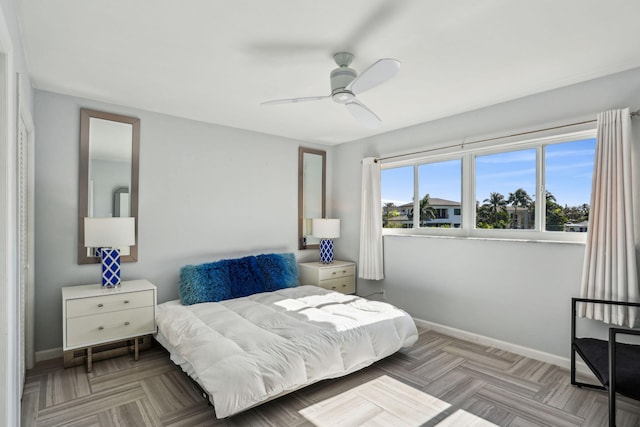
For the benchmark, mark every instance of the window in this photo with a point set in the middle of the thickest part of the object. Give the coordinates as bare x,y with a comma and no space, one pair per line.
439,189
535,189
396,188
505,187
568,174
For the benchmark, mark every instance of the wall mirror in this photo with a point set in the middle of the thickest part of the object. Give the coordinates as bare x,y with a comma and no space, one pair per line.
311,193
108,185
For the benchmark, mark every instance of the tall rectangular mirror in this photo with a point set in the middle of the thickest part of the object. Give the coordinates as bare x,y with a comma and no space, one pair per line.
311,194
108,183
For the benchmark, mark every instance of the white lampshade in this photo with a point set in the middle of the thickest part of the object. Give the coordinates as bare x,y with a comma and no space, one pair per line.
109,232
326,228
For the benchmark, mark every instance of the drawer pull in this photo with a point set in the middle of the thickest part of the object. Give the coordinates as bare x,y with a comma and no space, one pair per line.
102,328
333,287
100,305
126,301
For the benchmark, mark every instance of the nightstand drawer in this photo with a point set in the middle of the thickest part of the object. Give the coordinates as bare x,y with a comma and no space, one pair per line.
109,303
346,285
338,271
104,327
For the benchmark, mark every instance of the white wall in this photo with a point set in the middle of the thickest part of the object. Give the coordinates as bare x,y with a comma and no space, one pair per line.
206,192
509,291
515,291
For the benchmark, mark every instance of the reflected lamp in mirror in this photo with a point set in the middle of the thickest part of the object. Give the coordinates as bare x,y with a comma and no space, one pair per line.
326,229
109,235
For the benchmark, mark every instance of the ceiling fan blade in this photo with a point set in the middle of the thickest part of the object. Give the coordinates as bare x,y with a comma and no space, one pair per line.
378,73
295,100
363,115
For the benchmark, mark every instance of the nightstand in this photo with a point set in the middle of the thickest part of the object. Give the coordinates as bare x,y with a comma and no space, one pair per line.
338,276
93,316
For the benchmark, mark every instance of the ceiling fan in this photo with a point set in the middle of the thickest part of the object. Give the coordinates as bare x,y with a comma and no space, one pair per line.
346,84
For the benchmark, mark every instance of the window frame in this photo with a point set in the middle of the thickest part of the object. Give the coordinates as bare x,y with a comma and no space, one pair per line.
467,155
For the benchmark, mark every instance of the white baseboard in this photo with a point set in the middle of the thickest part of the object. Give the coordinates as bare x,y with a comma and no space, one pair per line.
52,353
542,356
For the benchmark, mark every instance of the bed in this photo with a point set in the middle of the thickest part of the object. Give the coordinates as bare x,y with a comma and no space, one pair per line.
246,350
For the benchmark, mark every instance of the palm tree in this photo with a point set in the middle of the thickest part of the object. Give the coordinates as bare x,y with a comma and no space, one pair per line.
519,198
495,202
427,212
483,216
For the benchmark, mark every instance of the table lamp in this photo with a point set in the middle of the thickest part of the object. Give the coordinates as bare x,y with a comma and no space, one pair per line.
326,229
109,235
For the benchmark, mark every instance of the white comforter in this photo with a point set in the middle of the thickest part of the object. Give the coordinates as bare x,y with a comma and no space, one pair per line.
248,350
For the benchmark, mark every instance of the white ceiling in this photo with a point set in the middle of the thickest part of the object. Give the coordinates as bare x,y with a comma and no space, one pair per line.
216,61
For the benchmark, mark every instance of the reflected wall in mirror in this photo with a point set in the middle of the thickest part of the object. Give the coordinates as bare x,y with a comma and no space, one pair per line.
311,193
108,186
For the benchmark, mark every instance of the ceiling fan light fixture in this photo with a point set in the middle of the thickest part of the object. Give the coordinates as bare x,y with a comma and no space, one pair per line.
343,96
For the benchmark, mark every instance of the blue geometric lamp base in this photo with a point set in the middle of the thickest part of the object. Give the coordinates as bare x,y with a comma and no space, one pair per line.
110,267
326,251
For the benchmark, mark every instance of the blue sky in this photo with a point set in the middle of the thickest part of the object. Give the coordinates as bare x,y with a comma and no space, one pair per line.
568,172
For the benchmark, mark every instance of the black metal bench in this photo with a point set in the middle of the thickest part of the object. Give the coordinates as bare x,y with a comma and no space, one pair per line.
616,365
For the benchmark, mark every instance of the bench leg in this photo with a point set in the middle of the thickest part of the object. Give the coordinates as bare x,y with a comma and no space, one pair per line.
89,360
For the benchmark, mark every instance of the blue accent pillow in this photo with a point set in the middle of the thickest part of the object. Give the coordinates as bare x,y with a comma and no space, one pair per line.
235,278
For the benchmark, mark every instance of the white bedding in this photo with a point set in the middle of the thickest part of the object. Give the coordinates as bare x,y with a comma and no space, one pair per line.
247,350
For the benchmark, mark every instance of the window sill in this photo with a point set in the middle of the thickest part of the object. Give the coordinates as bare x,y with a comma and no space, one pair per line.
512,236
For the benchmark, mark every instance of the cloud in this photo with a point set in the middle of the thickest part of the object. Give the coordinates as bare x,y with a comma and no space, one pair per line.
585,152
508,174
583,167
510,157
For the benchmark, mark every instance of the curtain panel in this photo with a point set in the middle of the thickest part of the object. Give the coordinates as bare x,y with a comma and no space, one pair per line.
610,270
371,253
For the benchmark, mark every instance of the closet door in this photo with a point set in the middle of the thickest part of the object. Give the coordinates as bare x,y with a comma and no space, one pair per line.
25,248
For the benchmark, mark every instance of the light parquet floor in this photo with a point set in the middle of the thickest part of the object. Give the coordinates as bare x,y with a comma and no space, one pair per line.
440,381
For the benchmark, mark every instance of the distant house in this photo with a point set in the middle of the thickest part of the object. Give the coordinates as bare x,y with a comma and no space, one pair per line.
580,227
521,217
448,213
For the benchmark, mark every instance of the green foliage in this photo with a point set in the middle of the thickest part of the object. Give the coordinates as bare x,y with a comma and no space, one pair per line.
493,213
495,205
389,211
577,213
393,224
555,216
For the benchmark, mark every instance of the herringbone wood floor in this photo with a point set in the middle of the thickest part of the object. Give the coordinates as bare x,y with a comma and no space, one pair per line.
439,381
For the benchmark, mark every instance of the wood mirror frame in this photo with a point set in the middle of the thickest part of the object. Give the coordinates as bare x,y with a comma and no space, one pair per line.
305,158
83,189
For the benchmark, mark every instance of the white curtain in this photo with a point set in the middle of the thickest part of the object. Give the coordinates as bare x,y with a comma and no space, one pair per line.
371,255
610,270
